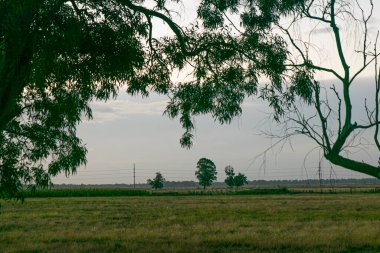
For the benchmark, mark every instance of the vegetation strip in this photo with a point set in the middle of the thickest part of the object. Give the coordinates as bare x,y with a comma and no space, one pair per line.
44,193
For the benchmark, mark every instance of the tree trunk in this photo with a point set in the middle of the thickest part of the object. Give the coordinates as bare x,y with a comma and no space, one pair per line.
14,76
16,58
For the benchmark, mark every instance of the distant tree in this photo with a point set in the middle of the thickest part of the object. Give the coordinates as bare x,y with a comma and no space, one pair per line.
240,180
206,172
157,182
232,180
230,176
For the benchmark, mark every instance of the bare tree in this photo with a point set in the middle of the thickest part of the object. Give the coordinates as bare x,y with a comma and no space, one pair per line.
270,45
332,125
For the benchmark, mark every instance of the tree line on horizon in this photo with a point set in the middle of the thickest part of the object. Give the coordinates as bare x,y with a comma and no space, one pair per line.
206,175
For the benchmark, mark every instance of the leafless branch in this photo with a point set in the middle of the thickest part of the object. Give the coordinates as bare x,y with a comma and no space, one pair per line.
339,108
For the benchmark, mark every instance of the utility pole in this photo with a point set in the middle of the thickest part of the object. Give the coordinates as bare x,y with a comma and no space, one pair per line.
134,176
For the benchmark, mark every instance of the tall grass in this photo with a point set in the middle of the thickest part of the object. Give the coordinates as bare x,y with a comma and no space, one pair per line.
312,223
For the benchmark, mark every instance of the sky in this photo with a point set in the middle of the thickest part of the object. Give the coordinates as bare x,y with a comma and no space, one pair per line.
132,131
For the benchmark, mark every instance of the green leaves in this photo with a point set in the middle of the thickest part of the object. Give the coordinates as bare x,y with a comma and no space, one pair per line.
225,72
234,180
157,182
302,86
240,180
87,49
41,143
82,50
206,172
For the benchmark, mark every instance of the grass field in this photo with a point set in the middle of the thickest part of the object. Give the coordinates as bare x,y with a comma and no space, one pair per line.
213,223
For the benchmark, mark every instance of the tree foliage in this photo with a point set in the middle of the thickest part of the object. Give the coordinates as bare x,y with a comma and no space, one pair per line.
157,182
206,172
234,180
240,180
56,57
229,170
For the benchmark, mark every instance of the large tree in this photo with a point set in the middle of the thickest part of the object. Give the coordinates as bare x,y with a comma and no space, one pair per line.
270,46
56,56
206,172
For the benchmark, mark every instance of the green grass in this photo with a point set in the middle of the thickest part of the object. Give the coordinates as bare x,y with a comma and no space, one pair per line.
208,223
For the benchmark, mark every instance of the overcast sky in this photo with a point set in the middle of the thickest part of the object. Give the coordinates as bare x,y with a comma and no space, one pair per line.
132,130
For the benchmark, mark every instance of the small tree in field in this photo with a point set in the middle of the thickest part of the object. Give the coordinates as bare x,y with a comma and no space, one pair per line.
240,180
157,182
230,176
206,172
232,180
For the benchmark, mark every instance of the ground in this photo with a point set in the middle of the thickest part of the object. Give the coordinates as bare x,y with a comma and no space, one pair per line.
220,223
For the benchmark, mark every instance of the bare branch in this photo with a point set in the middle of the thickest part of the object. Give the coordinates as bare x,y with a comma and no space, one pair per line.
365,22
307,62
321,117
339,109
376,55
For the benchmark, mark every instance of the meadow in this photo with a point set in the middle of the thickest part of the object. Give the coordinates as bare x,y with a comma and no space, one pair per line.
193,223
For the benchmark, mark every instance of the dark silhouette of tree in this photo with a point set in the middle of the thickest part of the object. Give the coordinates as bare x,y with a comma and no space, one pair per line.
230,176
206,172
157,182
266,46
58,55
232,180
240,180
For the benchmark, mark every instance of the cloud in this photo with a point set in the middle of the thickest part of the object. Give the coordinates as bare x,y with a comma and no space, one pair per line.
319,31
122,108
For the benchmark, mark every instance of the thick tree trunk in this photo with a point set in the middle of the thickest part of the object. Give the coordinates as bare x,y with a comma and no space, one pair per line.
16,57
14,76
361,167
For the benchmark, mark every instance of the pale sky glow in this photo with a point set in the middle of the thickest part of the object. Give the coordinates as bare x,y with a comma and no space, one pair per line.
139,134
124,107
132,130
